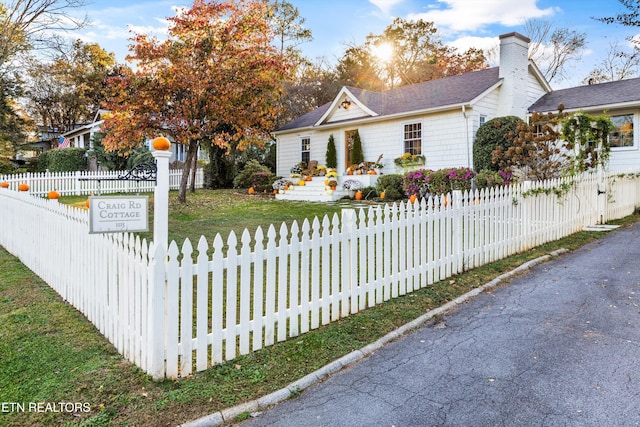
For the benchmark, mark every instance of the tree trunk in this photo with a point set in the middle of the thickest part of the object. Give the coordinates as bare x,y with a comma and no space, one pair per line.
194,169
191,152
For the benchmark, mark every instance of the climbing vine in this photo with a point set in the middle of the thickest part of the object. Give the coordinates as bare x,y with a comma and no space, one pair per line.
588,137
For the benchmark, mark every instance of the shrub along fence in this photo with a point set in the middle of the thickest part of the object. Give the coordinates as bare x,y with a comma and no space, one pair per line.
85,182
173,312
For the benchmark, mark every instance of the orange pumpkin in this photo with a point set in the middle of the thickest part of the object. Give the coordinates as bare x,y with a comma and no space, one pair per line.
251,190
23,187
275,191
349,172
358,195
308,178
4,184
286,187
413,198
161,143
372,172
53,195
382,195
87,203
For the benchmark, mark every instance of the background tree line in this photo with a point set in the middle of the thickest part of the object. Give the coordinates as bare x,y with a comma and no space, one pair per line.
192,86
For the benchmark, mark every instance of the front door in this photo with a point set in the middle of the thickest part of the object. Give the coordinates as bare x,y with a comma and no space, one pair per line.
348,146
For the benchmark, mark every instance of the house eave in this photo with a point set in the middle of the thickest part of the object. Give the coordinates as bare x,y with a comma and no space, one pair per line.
604,107
365,120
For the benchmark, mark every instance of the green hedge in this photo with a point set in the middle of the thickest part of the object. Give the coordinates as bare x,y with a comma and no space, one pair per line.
63,160
489,136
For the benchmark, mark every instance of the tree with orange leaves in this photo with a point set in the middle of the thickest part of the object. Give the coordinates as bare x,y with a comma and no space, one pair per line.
215,80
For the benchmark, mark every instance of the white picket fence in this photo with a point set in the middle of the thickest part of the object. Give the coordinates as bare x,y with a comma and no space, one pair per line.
85,182
176,313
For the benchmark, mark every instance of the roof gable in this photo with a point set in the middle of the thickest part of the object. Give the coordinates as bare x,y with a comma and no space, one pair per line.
429,95
602,95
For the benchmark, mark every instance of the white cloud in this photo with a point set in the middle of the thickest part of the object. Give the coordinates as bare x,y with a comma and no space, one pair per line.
385,5
473,15
488,44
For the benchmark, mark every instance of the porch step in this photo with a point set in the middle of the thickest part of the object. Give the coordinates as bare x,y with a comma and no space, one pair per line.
312,191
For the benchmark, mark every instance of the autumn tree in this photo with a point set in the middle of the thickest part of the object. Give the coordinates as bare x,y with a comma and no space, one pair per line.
618,64
215,81
406,52
536,151
631,18
71,89
553,48
12,124
29,25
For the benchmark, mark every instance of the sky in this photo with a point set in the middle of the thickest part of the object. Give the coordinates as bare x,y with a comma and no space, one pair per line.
338,23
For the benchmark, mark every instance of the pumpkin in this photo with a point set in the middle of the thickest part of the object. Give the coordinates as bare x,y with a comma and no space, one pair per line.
301,182
382,195
161,144
349,172
372,172
286,187
413,198
251,190
23,187
358,172
53,195
358,195
87,203
333,187
275,191
4,184
308,178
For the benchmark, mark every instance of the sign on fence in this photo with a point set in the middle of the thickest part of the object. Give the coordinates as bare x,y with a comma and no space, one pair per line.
117,214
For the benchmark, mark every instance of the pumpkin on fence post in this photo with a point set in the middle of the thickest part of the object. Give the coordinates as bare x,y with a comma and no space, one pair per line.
4,184
23,187
53,195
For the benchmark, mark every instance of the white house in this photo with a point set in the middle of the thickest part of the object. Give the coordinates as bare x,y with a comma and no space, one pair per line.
620,100
439,118
82,137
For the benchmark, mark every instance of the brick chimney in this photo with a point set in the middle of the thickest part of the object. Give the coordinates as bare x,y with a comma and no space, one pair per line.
514,70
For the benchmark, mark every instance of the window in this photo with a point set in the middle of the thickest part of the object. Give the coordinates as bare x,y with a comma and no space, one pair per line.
622,134
413,138
305,150
483,119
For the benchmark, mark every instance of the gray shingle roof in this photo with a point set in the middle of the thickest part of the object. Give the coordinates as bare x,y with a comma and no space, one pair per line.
432,94
603,94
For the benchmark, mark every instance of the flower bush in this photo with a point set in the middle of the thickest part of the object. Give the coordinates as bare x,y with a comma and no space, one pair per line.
262,181
331,173
487,179
279,184
296,169
352,184
254,175
424,182
391,185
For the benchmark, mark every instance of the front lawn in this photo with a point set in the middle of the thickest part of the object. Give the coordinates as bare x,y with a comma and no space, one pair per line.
50,354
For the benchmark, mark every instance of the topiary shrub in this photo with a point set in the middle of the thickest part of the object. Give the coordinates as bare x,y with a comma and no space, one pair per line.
391,184
357,155
254,175
489,136
331,158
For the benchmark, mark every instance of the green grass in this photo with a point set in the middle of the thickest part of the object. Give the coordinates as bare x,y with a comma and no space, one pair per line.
50,353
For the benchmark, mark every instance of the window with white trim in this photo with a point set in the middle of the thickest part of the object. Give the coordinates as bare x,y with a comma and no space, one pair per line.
305,149
413,138
622,134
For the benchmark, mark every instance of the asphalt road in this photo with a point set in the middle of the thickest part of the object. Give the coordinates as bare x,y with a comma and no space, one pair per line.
559,346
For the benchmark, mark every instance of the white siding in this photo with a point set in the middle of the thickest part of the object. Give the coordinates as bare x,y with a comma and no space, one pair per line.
627,159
